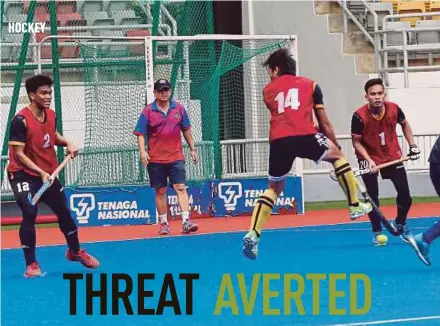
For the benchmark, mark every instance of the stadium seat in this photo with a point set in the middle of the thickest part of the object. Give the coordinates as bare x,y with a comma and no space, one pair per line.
395,38
46,48
14,8
66,7
42,7
137,49
426,37
71,19
381,9
96,18
16,18
89,6
411,7
67,51
44,18
115,5
395,4
435,6
113,33
125,17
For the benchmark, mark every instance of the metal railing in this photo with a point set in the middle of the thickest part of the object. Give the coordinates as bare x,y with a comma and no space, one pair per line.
378,39
375,39
405,48
244,158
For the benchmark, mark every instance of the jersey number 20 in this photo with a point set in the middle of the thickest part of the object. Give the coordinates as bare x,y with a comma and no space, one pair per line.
290,101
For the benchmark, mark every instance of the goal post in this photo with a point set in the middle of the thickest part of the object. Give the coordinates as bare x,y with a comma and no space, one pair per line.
218,78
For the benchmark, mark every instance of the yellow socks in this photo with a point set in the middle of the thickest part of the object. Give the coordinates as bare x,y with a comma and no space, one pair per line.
262,210
347,180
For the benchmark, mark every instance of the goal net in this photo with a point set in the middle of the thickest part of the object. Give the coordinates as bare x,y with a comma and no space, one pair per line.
218,78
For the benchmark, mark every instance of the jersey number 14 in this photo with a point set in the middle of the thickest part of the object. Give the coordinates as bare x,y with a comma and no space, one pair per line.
290,101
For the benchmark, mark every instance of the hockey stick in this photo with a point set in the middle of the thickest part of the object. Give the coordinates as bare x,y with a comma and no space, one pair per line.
48,183
360,172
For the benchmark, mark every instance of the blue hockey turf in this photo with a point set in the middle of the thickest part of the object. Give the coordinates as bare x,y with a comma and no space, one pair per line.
403,290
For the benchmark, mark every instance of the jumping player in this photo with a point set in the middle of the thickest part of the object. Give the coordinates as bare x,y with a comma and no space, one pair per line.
32,159
374,137
291,101
161,123
424,239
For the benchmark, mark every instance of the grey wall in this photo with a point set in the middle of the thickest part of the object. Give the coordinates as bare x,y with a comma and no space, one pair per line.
320,54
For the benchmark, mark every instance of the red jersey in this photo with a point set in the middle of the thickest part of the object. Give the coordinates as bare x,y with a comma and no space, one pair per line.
290,100
379,136
38,139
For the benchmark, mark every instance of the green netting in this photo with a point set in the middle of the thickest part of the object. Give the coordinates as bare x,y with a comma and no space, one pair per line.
99,95
219,82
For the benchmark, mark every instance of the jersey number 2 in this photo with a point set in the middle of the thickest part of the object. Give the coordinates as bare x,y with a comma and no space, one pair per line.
46,141
291,100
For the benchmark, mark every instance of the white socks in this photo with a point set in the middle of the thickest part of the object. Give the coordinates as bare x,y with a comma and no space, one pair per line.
163,218
185,216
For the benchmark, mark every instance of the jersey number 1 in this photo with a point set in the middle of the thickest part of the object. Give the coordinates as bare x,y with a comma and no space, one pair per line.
291,100
382,138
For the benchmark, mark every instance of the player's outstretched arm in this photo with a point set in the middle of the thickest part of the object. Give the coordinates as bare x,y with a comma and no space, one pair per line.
70,146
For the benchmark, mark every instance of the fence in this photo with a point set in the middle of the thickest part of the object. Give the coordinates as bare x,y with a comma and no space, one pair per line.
237,163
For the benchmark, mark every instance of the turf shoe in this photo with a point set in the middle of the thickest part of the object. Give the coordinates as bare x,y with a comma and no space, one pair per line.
360,210
250,245
403,231
422,249
33,270
83,257
164,229
188,227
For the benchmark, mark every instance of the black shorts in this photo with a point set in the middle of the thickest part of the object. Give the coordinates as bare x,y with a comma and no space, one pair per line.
284,151
23,183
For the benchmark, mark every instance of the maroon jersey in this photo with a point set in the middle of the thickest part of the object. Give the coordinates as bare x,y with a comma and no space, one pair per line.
379,136
38,139
291,100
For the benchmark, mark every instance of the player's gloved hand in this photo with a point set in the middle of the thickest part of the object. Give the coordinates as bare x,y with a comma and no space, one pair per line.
414,152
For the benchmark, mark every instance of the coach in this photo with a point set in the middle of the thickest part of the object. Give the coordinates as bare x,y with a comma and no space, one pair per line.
161,123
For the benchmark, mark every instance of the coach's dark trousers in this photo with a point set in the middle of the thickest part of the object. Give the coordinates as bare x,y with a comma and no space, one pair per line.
397,175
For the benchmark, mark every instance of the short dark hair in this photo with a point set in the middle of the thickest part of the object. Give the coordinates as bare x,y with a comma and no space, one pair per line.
36,81
283,60
373,82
